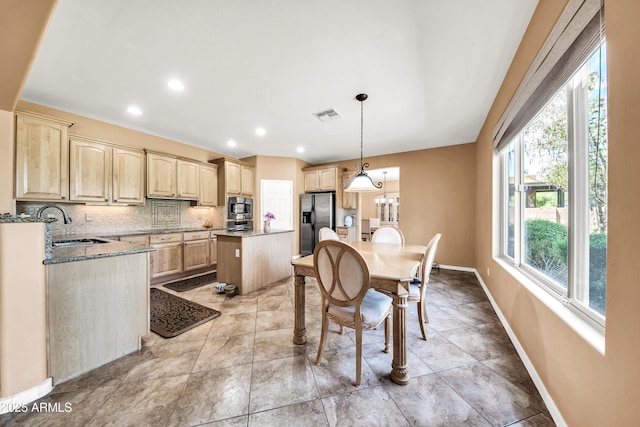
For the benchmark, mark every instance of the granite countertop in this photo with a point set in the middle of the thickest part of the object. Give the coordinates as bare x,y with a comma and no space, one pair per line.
17,219
158,231
93,251
252,233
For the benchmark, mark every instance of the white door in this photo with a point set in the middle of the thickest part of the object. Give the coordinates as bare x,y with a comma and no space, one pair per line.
277,197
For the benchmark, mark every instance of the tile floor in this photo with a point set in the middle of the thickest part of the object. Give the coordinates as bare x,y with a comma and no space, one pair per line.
242,369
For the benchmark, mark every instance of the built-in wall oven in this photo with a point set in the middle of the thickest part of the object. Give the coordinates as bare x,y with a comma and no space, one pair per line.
239,214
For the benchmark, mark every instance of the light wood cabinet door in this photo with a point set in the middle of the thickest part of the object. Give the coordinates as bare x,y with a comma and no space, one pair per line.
349,199
90,171
233,178
188,178
328,179
166,260
248,178
196,254
42,157
128,176
311,183
161,176
213,251
208,186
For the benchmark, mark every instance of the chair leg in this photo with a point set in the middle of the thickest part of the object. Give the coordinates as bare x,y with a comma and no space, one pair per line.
387,334
323,338
341,329
358,355
424,309
421,321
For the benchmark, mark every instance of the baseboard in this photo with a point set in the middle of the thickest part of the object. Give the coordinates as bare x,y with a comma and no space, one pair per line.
17,401
544,393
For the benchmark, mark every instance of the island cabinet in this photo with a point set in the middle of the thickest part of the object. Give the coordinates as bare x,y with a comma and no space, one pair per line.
104,173
320,178
252,260
235,178
42,157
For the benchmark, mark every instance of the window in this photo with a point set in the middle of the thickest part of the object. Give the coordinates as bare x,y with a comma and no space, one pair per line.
554,192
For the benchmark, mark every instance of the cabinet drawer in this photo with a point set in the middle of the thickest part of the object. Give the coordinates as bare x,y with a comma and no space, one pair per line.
165,238
137,240
342,231
196,235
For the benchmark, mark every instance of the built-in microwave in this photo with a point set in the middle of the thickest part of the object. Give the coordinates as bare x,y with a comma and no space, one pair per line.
240,208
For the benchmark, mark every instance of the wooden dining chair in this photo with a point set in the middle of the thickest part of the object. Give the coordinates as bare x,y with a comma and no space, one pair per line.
418,286
343,277
325,233
388,234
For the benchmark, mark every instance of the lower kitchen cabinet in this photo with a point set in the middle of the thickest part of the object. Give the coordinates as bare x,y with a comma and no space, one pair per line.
213,250
347,234
167,259
196,250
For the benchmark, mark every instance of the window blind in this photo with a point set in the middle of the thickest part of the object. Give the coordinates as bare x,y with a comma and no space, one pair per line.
578,32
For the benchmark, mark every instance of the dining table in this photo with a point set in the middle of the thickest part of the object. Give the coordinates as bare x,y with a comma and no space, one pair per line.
391,268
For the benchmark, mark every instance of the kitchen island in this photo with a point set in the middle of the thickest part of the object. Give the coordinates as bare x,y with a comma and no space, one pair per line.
253,259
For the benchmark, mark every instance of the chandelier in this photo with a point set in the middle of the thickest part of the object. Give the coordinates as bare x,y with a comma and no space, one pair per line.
361,182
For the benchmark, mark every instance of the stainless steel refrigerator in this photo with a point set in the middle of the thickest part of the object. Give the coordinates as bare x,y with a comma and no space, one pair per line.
317,210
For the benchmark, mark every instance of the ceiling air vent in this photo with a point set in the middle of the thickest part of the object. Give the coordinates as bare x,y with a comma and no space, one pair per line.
326,115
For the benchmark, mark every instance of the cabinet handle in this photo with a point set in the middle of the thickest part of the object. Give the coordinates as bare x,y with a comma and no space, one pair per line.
106,200
62,197
115,200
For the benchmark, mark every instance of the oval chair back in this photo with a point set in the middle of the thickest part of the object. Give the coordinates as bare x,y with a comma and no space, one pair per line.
388,234
325,233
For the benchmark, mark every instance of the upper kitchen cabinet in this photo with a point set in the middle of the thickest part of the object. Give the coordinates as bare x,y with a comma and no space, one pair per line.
42,157
100,172
208,185
349,199
162,175
235,178
320,178
188,179
170,177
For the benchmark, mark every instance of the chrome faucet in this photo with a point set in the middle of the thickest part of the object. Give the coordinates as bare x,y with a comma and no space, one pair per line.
67,218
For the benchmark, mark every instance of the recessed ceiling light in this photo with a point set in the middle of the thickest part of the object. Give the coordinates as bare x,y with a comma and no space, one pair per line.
260,131
176,85
300,149
134,110
231,143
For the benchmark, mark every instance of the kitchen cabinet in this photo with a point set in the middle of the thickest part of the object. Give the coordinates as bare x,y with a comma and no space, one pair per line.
162,175
320,179
128,176
167,259
349,199
347,234
42,157
188,179
136,240
208,185
170,177
213,250
101,172
196,250
235,178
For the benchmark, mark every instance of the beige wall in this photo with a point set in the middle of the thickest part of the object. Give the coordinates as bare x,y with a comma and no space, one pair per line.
437,195
285,169
589,389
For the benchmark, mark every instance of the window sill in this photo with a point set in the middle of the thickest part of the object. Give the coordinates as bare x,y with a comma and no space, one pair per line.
568,314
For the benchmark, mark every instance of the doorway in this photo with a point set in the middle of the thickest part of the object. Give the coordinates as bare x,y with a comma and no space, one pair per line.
276,196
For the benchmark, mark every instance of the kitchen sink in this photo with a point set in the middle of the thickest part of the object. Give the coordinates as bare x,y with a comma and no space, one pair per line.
77,242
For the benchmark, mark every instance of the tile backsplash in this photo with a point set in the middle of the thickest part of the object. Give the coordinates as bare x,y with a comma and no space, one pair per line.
155,213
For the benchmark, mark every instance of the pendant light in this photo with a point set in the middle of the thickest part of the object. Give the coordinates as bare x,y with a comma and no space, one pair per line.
361,182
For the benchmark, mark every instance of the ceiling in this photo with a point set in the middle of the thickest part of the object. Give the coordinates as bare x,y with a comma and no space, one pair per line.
431,69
